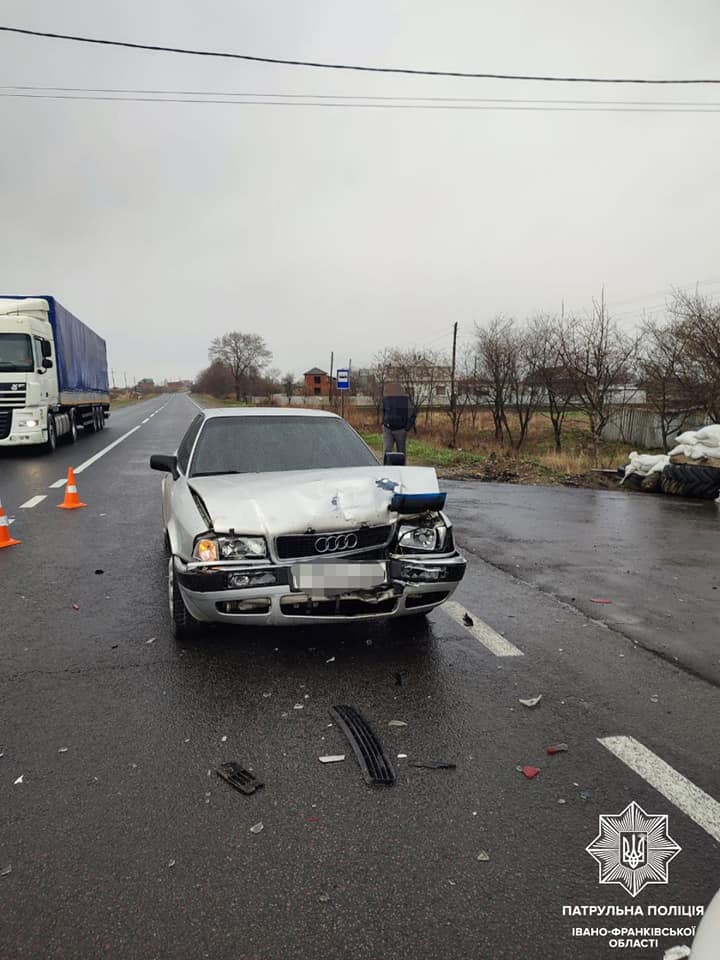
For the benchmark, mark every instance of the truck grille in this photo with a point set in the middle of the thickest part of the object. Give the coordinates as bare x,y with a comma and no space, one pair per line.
5,421
12,394
336,543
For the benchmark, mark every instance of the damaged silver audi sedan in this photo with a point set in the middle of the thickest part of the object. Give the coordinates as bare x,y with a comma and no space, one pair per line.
284,516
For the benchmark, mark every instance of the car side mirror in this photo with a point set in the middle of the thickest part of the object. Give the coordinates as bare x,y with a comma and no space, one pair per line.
165,463
47,363
45,348
394,460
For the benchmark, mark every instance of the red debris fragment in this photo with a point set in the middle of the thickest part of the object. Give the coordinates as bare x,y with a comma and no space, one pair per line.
557,748
530,772
600,600
76,606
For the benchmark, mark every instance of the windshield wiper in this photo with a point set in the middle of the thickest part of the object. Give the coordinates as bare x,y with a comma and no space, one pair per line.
215,473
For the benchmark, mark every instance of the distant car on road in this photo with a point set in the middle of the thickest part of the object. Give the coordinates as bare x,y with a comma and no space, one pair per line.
285,516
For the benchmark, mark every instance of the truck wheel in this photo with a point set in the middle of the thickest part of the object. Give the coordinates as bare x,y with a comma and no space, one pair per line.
101,418
51,442
73,434
184,625
686,480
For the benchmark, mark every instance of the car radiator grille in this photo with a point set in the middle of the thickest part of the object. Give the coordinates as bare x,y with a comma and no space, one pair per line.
5,421
293,546
10,397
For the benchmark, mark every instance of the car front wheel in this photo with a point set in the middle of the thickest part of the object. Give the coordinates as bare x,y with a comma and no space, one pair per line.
184,625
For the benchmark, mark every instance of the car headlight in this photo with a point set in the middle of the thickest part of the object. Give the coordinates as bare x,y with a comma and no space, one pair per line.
27,423
422,538
212,549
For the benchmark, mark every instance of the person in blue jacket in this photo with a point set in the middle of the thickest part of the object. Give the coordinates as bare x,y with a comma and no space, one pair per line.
398,417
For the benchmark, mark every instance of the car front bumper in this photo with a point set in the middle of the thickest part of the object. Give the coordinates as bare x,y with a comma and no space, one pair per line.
412,585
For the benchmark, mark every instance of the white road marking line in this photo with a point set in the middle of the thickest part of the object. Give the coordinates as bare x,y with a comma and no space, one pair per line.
676,788
58,483
10,520
33,501
489,638
195,402
147,418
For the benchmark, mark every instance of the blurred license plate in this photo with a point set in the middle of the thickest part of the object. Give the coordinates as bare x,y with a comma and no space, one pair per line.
319,578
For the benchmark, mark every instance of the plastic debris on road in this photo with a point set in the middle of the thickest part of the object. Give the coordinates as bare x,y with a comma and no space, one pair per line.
467,619
531,701
76,606
402,756
266,695
677,953
654,698
483,856
585,794
562,800
63,750
6,871
98,572
557,748
331,660
223,739
530,772
151,640
397,723
257,828
600,600
240,778
19,779
171,863
333,758
299,706
434,764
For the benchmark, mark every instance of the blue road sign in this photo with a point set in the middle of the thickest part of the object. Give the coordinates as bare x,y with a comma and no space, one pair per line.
343,379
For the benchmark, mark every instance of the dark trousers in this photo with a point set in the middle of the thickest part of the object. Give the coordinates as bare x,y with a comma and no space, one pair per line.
392,438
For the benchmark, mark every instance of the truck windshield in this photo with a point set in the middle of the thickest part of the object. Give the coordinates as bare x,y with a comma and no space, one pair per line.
248,444
16,353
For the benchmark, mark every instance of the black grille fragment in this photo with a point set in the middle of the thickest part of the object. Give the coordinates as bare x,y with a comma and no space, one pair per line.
238,777
374,762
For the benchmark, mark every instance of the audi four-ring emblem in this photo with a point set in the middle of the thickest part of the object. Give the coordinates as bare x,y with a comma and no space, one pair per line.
339,541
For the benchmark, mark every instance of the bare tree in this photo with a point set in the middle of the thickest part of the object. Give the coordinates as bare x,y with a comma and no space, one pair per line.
244,354
496,348
215,380
665,377
598,358
461,397
550,373
288,385
524,390
697,321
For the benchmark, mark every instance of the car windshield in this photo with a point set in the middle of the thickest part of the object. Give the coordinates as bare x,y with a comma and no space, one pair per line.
264,444
16,352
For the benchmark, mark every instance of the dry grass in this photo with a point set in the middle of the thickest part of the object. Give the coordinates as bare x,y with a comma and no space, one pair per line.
479,453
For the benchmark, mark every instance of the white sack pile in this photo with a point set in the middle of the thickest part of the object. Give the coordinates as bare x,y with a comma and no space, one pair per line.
703,444
645,463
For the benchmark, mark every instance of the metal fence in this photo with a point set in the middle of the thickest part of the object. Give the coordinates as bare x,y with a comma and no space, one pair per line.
642,427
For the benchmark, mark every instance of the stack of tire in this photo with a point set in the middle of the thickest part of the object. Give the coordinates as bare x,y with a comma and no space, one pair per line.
694,467
643,471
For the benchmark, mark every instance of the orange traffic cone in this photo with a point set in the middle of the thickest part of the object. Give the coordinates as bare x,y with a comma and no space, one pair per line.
72,500
5,539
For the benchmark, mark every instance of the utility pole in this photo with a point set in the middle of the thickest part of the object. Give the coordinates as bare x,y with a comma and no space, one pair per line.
453,398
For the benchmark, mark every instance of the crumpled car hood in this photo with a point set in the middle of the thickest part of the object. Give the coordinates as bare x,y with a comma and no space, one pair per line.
270,504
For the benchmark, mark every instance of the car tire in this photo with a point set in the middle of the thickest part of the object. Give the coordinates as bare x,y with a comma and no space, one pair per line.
166,543
687,480
51,443
633,481
184,625
73,432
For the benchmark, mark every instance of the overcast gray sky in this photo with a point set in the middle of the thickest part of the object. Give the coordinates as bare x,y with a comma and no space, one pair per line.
163,225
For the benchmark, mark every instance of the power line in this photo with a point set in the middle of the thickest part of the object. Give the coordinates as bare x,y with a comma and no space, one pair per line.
156,48
341,96
521,106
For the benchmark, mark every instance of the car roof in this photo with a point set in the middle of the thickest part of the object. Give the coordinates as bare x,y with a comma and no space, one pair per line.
266,412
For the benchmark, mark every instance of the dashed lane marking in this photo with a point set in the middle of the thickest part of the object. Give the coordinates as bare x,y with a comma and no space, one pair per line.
488,637
33,502
676,788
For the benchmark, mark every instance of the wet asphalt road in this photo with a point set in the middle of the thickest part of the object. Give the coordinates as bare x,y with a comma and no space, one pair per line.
128,845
